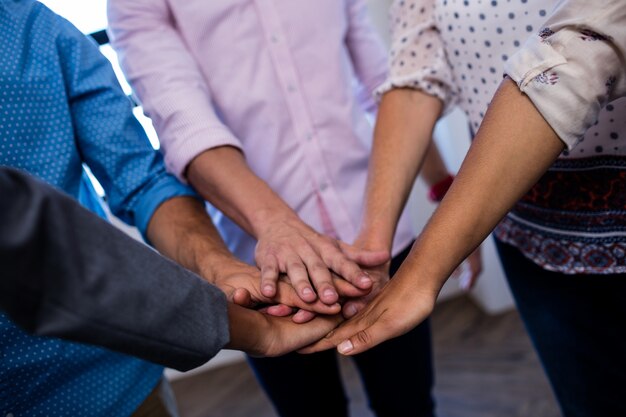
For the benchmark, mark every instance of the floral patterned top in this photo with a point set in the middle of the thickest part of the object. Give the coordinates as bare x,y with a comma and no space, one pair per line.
574,218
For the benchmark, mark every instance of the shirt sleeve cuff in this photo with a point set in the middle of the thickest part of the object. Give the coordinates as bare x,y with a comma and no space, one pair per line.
179,155
428,86
159,191
558,81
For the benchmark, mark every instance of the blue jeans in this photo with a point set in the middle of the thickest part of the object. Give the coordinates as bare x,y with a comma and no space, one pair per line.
397,376
577,324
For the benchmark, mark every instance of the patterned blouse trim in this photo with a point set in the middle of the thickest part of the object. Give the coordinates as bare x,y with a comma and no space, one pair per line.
563,255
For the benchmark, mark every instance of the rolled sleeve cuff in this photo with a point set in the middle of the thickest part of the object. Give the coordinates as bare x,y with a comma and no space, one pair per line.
433,88
164,188
179,155
565,85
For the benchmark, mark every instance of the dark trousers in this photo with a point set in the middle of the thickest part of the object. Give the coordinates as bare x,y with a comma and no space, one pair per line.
397,376
577,324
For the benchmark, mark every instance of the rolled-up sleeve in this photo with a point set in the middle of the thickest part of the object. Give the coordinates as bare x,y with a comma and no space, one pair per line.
167,81
574,65
108,136
418,58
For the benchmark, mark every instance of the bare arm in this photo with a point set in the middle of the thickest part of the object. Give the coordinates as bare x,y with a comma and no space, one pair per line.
181,230
512,149
406,119
286,244
175,94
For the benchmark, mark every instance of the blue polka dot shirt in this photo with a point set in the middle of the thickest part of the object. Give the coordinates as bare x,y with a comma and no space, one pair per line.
61,107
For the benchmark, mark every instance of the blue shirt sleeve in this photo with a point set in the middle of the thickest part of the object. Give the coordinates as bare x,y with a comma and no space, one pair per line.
109,138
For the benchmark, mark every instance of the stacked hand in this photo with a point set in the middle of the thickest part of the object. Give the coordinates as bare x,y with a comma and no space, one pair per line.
309,259
384,310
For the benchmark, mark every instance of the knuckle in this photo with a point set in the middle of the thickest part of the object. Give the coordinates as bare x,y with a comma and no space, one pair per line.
363,337
269,269
318,267
294,266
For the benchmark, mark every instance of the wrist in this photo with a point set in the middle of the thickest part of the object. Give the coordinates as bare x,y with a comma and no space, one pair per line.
266,220
247,329
374,238
214,264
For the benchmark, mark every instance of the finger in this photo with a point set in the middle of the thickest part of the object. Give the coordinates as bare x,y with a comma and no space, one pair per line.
269,275
345,268
364,340
296,335
352,338
319,275
351,308
346,289
336,336
279,310
299,278
303,316
364,257
242,297
286,294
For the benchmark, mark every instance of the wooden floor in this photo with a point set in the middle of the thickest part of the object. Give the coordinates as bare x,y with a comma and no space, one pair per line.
485,367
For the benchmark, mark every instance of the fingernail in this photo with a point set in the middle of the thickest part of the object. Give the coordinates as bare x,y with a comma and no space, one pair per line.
351,310
345,347
307,291
329,293
268,288
365,280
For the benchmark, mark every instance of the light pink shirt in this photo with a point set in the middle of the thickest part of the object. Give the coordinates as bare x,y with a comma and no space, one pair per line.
288,82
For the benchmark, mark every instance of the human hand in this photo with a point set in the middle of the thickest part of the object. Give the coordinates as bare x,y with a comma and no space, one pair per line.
291,247
378,273
240,282
380,277
399,307
345,290
261,335
468,272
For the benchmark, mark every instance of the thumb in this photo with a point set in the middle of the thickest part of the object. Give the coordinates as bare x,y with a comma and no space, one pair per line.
241,297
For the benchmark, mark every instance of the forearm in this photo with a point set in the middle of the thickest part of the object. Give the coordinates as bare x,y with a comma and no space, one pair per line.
223,178
181,230
511,151
406,119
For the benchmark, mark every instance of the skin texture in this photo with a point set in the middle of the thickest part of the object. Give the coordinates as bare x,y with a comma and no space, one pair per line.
402,147
261,335
511,151
286,245
181,230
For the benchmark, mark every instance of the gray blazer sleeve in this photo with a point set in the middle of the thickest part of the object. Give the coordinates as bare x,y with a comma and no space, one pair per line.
67,273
